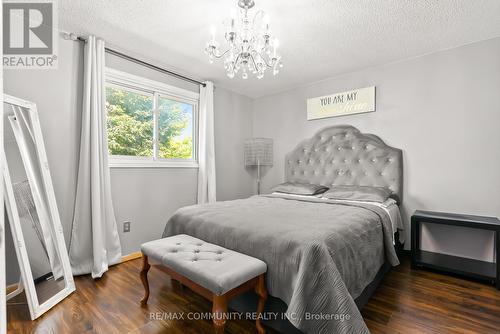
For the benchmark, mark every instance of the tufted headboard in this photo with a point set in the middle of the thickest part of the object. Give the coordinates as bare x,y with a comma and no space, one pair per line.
342,155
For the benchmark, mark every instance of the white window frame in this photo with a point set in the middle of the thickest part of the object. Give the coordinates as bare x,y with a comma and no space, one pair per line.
157,90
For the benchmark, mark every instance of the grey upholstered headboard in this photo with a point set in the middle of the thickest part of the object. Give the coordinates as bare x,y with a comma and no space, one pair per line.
342,155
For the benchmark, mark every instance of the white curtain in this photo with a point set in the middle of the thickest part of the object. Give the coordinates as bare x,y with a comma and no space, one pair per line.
95,243
206,156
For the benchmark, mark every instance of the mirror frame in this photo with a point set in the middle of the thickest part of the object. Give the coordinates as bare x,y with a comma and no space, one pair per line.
3,288
3,283
36,309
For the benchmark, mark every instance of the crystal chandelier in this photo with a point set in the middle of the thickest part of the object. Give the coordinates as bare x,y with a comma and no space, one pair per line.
250,47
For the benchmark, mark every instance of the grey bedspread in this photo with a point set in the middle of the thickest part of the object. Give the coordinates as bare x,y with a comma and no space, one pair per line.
320,256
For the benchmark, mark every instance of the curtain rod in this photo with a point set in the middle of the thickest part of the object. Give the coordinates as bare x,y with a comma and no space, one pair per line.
141,62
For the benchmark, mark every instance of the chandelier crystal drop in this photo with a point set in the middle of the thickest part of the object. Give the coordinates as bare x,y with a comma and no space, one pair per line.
250,45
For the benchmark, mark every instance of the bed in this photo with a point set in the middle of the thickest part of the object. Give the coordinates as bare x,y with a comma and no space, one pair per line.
325,257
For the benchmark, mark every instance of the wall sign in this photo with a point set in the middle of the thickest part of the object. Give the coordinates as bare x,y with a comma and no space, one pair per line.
346,103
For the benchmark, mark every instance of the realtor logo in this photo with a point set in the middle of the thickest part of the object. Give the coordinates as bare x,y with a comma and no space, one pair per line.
29,34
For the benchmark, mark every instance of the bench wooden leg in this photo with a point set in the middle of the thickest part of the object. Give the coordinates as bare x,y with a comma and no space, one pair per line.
219,311
261,290
144,279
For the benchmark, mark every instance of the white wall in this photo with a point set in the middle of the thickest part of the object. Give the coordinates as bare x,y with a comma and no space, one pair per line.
146,197
233,124
442,109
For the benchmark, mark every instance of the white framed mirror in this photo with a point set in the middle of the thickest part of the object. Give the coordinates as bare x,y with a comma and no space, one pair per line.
3,283
32,214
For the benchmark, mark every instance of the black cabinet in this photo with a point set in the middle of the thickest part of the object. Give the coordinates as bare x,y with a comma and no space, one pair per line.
470,268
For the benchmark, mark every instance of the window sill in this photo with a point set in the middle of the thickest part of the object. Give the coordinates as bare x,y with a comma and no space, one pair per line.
133,163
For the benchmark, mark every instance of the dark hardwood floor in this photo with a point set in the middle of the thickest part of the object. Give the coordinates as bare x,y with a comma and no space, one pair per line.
408,301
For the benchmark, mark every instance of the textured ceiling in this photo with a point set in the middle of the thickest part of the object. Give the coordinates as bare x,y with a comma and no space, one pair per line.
318,38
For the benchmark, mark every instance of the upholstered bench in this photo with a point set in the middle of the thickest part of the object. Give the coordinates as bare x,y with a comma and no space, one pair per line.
216,273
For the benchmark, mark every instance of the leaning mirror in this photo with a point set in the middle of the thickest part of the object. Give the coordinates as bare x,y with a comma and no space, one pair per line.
31,211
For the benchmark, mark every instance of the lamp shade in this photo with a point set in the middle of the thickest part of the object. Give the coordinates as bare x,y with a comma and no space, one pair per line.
259,151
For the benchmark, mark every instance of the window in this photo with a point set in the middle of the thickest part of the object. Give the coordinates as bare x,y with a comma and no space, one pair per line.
175,129
130,122
149,124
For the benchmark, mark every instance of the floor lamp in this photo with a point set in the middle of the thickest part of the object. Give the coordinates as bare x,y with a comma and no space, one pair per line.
258,152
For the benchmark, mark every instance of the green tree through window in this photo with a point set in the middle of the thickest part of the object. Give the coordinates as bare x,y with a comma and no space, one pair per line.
130,122
175,129
130,125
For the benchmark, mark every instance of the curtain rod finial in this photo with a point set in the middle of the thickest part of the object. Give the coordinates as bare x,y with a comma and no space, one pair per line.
70,36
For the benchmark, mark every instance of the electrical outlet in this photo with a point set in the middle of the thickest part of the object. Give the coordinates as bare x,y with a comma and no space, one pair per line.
126,227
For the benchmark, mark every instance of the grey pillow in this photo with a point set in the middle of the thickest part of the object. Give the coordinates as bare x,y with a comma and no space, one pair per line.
358,193
299,188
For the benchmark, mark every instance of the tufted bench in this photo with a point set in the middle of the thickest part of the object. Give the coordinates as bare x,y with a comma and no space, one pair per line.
216,273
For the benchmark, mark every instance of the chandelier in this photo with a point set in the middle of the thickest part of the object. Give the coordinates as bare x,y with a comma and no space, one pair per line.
250,46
